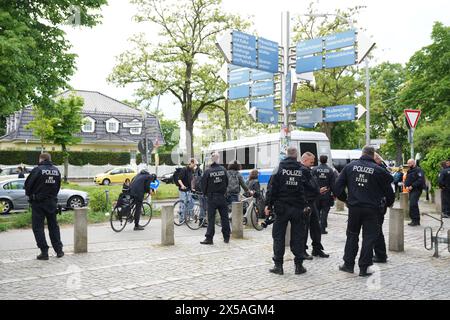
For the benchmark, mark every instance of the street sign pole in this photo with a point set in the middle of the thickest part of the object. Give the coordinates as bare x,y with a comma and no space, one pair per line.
285,132
367,103
411,134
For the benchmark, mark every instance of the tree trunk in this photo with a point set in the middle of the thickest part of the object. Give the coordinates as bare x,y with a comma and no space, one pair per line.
399,154
66,162
189,136
227,121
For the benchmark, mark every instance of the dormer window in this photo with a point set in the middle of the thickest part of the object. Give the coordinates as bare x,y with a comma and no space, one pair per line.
88,125
136,130
112,125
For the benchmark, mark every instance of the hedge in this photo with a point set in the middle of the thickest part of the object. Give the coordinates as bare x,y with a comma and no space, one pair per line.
8,157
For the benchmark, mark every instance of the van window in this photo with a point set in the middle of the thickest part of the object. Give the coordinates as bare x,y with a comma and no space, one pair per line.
268,155
246,156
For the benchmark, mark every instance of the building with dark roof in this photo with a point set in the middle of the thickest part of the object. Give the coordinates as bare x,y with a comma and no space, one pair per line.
109,125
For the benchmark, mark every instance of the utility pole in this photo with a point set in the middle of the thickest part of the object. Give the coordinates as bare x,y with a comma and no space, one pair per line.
285,43
367,102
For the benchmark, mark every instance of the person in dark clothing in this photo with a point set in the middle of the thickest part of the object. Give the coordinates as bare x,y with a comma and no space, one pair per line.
185,188
21,174
140,185
313,223
326,178
398,182
126,186
255,188
214,186
42,187
380,255
235,182
444,185
286,197
196,186
415,183
367,185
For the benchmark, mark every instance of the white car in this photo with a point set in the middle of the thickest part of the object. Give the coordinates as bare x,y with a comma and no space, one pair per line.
8,173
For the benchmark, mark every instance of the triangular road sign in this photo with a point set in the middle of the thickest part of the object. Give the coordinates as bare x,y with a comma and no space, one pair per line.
413,117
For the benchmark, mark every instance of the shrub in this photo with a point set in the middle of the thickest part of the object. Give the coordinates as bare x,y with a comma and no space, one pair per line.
432,163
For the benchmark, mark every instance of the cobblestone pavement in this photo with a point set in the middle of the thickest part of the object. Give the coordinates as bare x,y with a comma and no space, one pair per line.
137,267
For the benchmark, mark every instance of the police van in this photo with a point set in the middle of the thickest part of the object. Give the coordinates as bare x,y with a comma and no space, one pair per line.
262,152
341,158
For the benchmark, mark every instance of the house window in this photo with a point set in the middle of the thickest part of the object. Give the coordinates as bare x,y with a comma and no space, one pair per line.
88,125
112,125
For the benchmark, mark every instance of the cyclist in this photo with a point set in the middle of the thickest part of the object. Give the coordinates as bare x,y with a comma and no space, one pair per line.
235,182
197,187
184,182
140,185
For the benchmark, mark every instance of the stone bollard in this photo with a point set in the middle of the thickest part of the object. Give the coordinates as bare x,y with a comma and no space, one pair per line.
80,235
167,226
287,239
438,200
340,205
404,204
396,230
237,215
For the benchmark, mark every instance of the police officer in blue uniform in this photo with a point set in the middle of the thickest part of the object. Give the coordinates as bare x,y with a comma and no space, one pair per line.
415,183
286,196
444,184
367,184
42,187
326,179
140,185
214,185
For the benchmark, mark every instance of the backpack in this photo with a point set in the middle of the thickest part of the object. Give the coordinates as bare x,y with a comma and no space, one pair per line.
198,180
177,175
234,185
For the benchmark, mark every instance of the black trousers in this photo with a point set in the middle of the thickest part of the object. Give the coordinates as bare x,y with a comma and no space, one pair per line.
313,225
323,207
283,214
380,243
367,219
137,214
445,199
41,210
217,202
414,196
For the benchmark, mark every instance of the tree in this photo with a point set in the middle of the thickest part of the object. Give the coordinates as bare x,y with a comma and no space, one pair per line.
35,61
170,131
65,118
42,126
185,62
334,87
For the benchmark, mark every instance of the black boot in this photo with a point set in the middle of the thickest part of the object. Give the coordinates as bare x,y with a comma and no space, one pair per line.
207,241
277,269
364,273
306,256
320,253
346,268
299,268
43,255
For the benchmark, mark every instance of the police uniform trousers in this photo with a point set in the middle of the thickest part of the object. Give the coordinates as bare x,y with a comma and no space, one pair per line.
367,219
313,225
380,243
138,211
285,213
323,207
414,196
217,202
41,210
445,200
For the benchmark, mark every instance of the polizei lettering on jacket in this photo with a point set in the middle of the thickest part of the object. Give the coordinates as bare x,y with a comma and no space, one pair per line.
217,176
46,172
295,173
362,169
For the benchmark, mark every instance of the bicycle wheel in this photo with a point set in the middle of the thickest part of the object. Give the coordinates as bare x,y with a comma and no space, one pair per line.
146,214
178,219
116,220
257,219
193,219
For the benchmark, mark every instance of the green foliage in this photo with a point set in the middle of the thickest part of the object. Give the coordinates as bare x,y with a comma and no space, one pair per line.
433,135
97,200
432,163
35,61
171,134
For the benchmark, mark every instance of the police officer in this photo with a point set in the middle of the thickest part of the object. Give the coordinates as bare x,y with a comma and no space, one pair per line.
380,255
367,184
42,187
326,179
140,185
312,195
286,196
214,185
415,183
444,184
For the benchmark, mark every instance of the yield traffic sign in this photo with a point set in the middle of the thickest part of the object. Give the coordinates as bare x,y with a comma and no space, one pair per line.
413,117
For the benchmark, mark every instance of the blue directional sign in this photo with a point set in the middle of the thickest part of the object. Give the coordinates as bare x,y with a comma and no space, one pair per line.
155,184
309,116
238,92
340,58
308,64
267,55
238,76
307,125
263,103
339,113
308,47
243,50
263,88
267,116
260,75
340,40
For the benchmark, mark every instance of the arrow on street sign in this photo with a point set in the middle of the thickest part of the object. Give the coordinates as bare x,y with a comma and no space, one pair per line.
413,117
361,111
224,45
365,45
252,113
223,73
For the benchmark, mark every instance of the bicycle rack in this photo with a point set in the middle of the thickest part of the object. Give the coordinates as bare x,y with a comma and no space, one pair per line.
435,239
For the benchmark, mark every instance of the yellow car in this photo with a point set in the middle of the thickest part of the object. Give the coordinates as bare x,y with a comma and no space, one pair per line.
116,175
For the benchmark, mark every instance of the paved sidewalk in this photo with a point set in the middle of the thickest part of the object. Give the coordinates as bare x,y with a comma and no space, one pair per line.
132,265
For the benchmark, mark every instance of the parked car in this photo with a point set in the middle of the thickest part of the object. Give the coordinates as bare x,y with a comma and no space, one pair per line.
116,175
8,173
12,197
167,178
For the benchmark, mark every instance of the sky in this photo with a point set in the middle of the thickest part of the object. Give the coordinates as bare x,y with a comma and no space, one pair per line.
399,27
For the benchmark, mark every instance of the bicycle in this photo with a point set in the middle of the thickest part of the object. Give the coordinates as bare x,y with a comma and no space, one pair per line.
124,212
182,214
